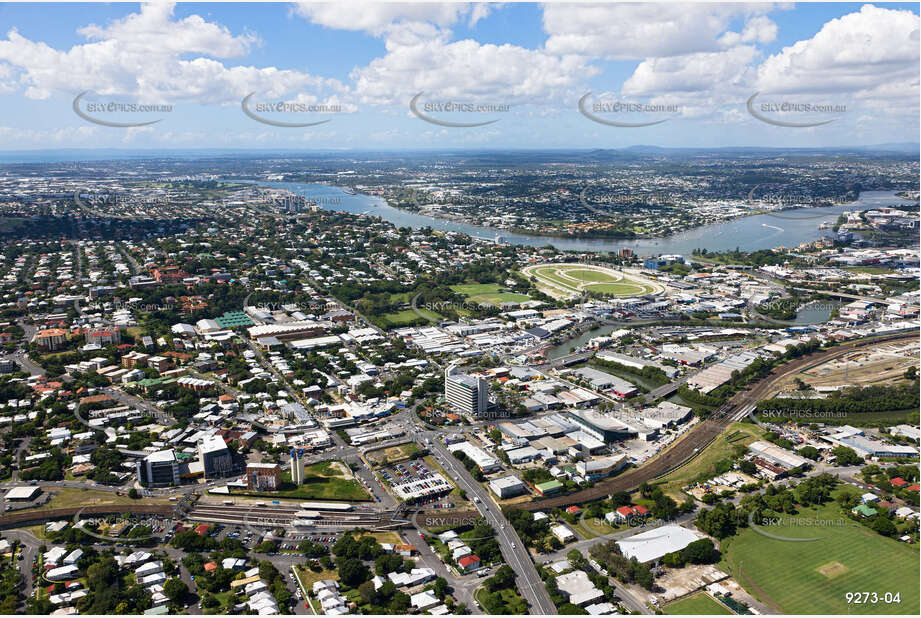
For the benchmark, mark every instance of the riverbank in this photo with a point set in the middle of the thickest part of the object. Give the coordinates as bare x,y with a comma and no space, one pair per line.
764,231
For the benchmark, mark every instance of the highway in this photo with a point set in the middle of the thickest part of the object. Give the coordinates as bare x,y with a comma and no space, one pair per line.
513,550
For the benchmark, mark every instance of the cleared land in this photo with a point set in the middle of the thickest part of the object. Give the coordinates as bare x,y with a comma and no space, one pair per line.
881,365
813,577
570,280
697,605
391,454
68,497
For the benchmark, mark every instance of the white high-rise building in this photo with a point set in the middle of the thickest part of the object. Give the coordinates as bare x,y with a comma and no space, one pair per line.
466,394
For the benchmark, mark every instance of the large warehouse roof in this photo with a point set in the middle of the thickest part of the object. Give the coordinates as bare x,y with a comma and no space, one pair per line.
653,544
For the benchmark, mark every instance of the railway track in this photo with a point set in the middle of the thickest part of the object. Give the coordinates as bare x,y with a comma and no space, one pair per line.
737,408
285,516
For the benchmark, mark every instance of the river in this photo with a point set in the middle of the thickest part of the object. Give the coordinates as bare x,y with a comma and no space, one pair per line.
788,228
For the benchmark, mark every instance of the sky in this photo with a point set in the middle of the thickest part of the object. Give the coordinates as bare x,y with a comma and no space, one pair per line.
386,76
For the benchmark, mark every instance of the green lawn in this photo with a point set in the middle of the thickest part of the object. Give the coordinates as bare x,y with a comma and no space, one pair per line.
408,316
488,293
621,288
585,274
594,280
323,481
696,605
813,577
508,601
308,576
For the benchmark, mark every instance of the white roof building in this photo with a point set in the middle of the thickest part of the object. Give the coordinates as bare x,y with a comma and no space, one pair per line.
653,544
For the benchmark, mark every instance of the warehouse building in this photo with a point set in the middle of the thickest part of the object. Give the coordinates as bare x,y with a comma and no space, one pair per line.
776,455
507,487
651,545
485,462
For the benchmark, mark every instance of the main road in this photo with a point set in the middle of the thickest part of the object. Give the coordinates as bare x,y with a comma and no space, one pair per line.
513,550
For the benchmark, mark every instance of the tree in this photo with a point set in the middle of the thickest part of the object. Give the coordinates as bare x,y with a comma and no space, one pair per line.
700,552
845,456
750,468
102,574
809,452
352,572
133,494
387,563
367,592
175,589
883,525
440,588
400,603
503,578
209,600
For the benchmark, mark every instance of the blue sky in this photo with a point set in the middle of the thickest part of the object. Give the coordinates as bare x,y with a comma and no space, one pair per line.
686,72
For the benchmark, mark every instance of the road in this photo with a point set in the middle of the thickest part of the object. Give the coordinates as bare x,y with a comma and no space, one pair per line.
124,398
665,389
462,586
513,550
30,546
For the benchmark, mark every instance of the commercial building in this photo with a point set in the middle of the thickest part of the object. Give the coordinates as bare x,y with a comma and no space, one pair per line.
215,458
651,545
601,467
636,363
602,426
578,589
665,414
548,488
466,394
160,469
606,382
776,455
485,462
263,476
22,493
507,487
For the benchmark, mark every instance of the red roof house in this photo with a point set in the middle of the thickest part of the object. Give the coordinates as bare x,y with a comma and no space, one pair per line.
469,563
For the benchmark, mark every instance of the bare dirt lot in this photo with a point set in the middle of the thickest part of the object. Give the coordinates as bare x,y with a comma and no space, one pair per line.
880,365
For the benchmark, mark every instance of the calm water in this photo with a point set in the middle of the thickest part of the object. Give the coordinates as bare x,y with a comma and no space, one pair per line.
815,313
564,348
789,228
